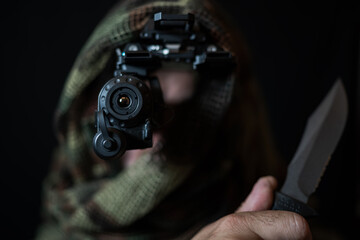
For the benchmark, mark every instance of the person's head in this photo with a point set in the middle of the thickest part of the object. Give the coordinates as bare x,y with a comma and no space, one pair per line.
212,117
213,146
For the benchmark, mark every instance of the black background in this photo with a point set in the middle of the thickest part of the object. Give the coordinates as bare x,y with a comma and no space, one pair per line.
298,51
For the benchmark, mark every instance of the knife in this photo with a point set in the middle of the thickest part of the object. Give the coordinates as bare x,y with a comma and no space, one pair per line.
322,132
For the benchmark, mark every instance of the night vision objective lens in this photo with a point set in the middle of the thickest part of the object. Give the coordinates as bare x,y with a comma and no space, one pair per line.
124,101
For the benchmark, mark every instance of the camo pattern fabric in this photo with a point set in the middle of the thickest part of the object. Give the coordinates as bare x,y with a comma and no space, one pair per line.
86,197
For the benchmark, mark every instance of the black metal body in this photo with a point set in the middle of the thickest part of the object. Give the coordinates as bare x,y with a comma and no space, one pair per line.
127,107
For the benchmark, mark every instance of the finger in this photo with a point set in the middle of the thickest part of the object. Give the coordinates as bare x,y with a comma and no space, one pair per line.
261,196
266,225
275,225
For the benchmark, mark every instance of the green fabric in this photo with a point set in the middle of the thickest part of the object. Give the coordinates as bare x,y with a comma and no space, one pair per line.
155,198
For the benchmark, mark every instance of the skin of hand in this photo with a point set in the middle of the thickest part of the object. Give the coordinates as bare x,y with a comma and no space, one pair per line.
254,220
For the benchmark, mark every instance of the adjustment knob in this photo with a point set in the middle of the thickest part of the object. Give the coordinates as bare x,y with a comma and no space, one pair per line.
109,148
109,144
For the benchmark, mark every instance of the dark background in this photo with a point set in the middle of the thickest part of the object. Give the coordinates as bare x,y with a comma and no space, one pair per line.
298,50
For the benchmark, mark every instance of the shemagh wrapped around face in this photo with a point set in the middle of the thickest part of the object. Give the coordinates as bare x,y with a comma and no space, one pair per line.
169,193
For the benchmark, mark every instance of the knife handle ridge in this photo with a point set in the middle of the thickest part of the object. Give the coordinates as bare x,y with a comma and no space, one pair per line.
286,203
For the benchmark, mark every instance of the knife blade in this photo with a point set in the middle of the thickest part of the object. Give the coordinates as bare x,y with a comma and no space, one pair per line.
322,132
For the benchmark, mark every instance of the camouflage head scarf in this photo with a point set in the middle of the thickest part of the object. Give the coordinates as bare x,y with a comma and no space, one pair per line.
155,198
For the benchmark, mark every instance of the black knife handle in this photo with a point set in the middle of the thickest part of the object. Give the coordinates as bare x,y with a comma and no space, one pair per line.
286,203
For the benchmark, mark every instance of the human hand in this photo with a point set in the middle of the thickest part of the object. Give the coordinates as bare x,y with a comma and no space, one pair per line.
254,220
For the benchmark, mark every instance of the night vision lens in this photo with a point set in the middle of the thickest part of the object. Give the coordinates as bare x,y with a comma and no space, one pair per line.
124,101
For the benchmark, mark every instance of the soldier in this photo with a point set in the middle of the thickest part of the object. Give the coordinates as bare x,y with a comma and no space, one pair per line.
205,157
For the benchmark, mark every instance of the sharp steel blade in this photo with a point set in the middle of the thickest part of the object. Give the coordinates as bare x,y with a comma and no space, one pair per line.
322,133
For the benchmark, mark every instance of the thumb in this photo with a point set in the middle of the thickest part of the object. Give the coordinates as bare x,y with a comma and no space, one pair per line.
261,196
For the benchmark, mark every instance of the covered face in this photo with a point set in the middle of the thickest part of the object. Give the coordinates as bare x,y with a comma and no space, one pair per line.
202,158
171,61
